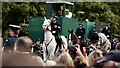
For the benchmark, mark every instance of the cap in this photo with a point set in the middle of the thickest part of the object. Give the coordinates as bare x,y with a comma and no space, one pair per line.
94,37
81,24
107,24
37,40
55,17
116,36
113,55
16,27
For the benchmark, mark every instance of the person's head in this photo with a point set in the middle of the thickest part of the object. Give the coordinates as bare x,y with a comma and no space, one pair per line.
111,59
107,24
117,46
106,64
67,11
80,24
14,30
79,62
65,58
94,38
72,52
37,41
54,18
116,38
94,55
23,44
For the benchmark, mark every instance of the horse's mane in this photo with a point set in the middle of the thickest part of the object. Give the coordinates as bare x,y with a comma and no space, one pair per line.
74,38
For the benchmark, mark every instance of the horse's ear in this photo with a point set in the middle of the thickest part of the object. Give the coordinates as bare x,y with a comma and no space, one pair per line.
72,31
45,18
68,30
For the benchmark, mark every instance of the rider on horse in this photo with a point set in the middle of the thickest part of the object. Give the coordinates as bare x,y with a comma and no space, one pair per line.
55,29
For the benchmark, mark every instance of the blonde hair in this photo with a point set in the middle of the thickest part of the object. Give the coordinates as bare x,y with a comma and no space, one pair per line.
94,55
66,59
80,61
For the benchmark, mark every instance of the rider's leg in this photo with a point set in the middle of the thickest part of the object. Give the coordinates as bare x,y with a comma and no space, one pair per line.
59,42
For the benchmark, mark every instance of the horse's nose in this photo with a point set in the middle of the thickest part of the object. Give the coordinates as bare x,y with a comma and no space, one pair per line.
44,27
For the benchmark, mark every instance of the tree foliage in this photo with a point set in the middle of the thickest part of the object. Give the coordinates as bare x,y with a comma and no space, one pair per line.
100,11
16,12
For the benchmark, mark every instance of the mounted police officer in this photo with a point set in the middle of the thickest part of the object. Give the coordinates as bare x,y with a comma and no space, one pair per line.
107,30
80,32
9,43
55,29
94,38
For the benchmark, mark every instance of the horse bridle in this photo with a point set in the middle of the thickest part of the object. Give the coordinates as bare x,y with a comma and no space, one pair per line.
48,44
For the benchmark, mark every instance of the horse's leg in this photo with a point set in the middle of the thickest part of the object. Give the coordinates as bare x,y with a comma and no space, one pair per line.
65,45
44,52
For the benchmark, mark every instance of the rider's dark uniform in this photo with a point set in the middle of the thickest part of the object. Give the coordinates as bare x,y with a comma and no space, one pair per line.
55,29
80,32
107,31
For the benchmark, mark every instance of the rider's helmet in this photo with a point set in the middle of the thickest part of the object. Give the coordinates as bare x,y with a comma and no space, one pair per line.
55,17
81,23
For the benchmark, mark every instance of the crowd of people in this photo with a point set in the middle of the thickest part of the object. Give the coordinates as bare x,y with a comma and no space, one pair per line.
22,51
22,56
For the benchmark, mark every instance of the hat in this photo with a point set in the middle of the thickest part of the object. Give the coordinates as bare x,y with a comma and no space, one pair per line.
37,40
14,27
81,24
94,37
55,17
116,36
113,55
107,24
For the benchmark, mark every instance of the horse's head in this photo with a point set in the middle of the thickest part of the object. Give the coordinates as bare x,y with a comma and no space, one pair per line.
46,24
72,37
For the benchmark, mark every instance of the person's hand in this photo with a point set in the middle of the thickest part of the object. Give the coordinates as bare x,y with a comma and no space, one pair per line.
78,52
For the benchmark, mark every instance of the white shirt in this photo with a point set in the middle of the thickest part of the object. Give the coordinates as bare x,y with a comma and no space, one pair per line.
69,15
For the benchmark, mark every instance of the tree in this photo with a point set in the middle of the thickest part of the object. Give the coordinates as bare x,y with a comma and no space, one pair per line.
100,11
16,12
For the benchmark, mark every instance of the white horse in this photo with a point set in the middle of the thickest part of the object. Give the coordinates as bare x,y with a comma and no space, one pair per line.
104,42
49,44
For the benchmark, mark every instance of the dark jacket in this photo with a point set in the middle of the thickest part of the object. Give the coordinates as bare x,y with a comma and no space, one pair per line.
55,28
37,48
9,43
107,32
80,33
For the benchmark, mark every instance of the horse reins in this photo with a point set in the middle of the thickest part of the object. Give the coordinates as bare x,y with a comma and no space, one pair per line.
47,45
